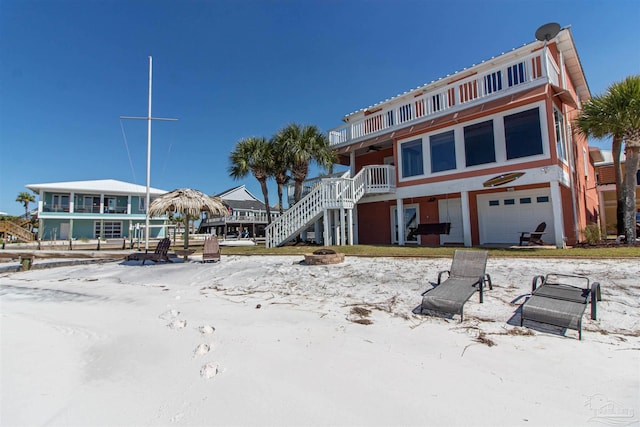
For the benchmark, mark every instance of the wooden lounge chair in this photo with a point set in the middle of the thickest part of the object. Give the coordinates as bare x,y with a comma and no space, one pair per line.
533,236
160,254
211,249
467,275
558,301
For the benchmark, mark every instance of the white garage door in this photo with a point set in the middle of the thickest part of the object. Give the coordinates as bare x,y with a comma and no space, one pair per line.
502,216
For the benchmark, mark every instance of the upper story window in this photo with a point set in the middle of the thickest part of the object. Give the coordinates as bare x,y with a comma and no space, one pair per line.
60,203
412,158
443,151
561,147
479,144
523,136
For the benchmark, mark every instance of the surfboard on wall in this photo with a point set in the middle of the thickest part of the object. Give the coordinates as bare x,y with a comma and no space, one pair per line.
503,179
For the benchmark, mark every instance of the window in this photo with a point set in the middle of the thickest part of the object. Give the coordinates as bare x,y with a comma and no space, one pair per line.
111,229
60,203
509,202
141,202
522,134
443,152
525,200
542,199
638,178
478,144
412,163
91,204
494,202
560,144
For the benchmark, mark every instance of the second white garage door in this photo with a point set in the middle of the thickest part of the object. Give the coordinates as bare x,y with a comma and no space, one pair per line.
502,216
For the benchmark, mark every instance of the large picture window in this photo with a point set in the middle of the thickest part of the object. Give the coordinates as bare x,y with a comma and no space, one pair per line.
478,144
443,151
522,133
412,159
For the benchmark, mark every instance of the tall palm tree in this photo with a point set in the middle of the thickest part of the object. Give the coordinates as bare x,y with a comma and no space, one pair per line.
25,198
280,167
616,113
253,155
304,145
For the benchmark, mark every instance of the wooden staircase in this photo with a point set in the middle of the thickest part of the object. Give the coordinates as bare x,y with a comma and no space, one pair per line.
329,194
16,230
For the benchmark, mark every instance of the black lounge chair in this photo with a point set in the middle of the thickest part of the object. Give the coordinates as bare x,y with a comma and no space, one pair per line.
533,236
211,250
160,254
467,275
558,301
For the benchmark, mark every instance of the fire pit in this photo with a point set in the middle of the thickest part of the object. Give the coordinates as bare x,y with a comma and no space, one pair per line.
323,257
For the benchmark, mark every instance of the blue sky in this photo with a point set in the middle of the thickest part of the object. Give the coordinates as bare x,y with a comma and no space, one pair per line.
233,69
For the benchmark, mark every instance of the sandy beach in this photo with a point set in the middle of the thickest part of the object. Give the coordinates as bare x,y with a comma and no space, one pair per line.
266,340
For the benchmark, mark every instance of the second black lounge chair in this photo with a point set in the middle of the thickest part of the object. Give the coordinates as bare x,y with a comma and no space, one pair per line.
467,275
560,300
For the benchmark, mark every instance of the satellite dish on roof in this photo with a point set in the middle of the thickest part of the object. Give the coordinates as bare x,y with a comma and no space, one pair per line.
547,31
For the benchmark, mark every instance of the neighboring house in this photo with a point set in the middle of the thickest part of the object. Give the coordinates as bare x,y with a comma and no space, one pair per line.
247,215
92,209
606,182
488,151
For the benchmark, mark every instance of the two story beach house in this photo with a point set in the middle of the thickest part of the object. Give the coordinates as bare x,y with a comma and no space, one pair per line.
247,215
474,158
94,209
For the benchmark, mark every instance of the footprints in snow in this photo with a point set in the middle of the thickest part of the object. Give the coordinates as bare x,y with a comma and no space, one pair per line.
209,370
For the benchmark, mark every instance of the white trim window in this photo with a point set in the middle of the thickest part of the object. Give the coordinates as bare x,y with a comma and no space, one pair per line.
412,156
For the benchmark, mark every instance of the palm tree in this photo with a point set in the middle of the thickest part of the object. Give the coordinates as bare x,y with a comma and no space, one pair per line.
616,113
253,154
303,145
25,198
280,167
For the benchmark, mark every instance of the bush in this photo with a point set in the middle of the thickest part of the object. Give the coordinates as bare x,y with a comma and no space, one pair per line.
592,234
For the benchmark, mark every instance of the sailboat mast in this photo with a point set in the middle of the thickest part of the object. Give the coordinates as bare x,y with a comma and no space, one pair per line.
148,196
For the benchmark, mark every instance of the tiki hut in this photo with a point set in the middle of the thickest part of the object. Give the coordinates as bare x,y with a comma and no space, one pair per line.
186,202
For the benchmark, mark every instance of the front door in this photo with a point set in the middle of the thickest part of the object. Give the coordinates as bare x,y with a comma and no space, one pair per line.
410,221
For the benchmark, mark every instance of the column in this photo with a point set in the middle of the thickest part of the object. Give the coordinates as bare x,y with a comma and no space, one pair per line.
558,222
343,233
466,218
400,221
325,236
72,203
350,225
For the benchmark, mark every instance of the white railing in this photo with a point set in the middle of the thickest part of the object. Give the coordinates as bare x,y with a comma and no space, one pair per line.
457,95
329,193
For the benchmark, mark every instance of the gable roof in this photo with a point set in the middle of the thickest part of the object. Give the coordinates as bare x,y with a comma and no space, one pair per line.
107,186
237,193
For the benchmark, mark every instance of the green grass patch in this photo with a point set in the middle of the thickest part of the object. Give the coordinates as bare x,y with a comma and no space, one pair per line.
621,251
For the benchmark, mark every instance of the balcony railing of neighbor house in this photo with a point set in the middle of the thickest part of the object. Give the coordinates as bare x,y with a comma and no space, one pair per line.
329,193
457,95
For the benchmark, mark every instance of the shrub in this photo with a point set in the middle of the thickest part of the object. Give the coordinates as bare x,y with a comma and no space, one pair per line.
592,234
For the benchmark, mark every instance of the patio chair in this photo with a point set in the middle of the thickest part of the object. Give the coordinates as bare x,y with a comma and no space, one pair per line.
160,254
533,236
467,275
560,301
211,250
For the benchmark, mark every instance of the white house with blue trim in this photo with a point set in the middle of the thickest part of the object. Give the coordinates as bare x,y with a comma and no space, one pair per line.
94,209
